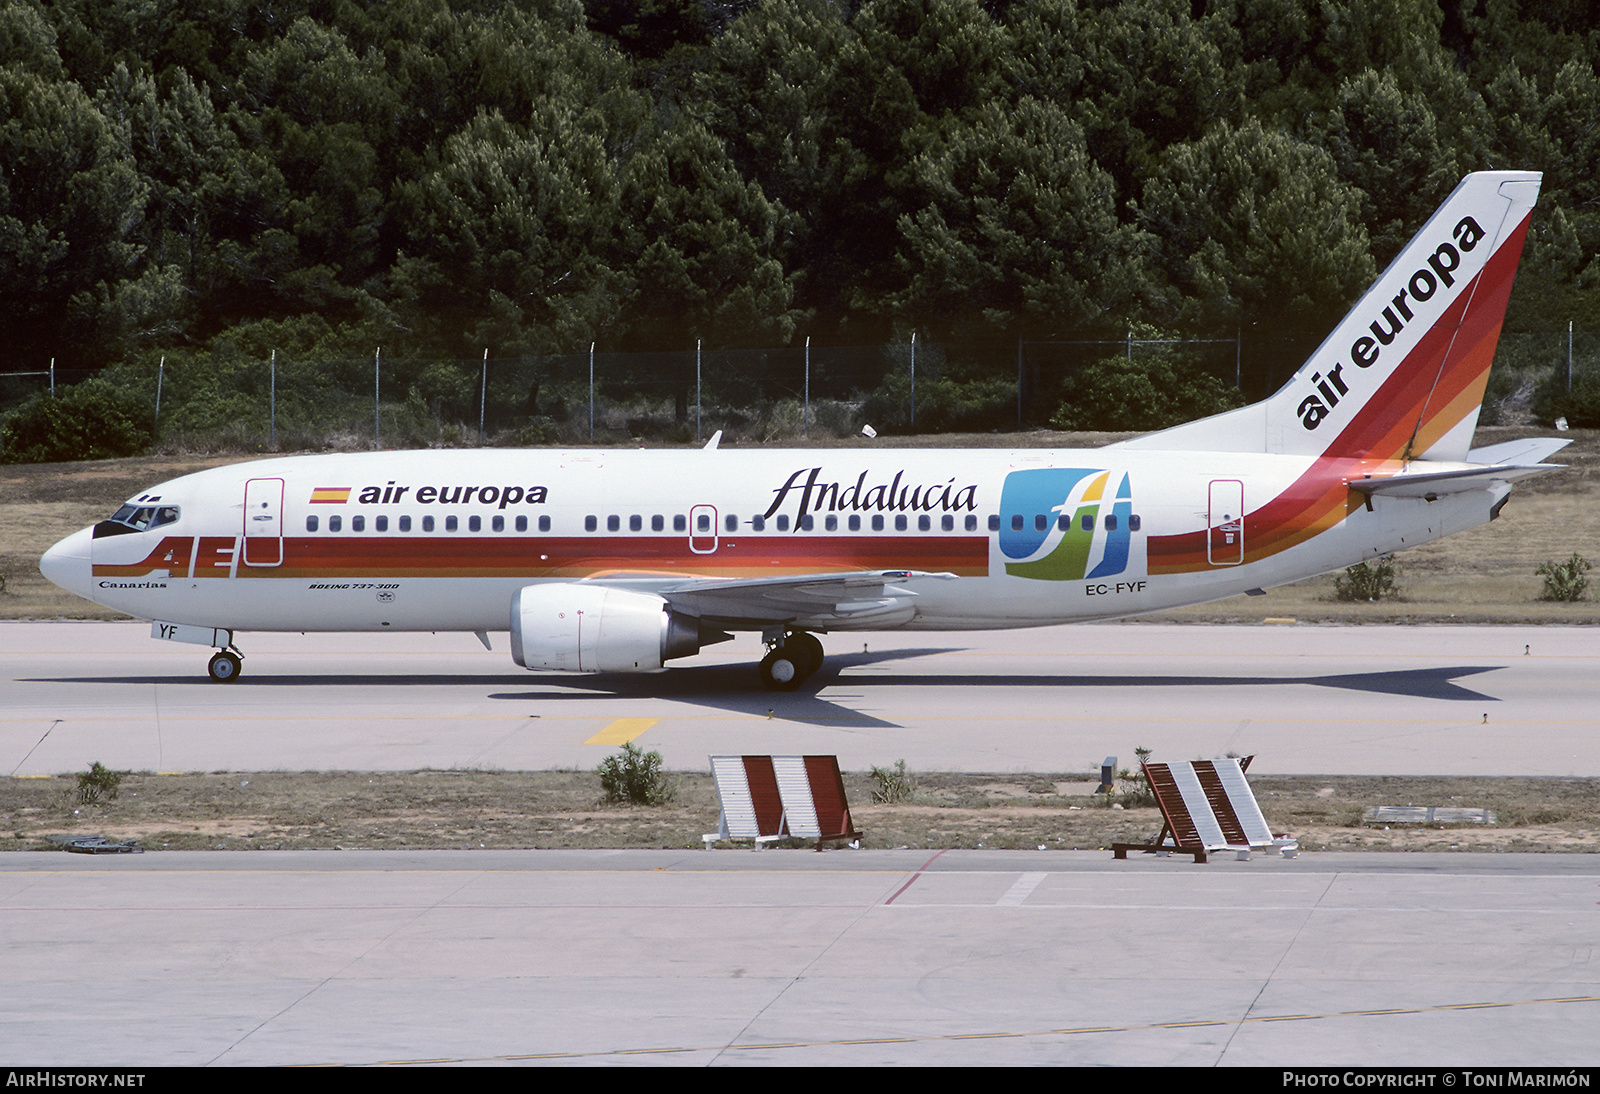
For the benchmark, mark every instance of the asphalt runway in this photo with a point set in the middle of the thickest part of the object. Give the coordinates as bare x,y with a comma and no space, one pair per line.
699,958
1302,699
791,957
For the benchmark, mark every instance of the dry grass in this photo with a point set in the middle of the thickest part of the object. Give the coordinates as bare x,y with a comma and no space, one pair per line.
1483,575
555,809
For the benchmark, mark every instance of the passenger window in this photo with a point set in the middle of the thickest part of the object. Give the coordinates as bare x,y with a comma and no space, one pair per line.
972,522
311,524
658,523
522,524
1111,522
590,524
1133,523
1016,522
924,523
405,524
613,523
1041,521
1088,522
544,524
1063,522
427,524
759,523
877,522
358,524
807,522
702,523
855,522
449,524
380,524
947,523
334,523
900,522
680,523
830,524
636,523
498,524
474,524
783,523
730,522
994,522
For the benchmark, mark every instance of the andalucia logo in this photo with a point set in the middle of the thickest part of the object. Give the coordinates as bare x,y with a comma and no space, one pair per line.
1057,521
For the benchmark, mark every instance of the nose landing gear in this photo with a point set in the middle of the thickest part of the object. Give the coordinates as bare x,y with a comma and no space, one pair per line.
792,658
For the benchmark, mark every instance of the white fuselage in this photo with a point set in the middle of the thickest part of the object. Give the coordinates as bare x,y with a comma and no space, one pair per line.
443,540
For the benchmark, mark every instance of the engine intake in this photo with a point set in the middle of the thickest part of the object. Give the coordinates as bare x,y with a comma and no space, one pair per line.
594,628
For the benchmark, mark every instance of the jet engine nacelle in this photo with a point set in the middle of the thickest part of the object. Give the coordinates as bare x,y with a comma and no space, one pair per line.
592,628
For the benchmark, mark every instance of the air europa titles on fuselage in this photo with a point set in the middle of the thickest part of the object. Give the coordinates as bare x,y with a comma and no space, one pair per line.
894,496
1438,271
390,494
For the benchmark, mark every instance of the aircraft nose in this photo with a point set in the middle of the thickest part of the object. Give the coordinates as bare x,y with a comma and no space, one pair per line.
67,563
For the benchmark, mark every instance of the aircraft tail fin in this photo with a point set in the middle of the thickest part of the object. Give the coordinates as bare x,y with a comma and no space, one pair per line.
1403,374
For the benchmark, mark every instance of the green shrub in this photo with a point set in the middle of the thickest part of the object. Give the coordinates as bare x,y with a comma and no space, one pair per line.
634,776
944,404
1367,581
1564,580
1156,390
88,421
98,784
1136,793
894,784
1579,405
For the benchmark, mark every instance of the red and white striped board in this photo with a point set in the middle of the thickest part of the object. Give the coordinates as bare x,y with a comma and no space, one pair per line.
1207,806
765,798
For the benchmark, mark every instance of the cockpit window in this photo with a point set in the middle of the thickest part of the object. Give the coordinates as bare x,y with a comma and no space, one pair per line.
142,518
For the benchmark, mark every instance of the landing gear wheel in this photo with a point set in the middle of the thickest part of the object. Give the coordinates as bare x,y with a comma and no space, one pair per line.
780,671
807,651
224,667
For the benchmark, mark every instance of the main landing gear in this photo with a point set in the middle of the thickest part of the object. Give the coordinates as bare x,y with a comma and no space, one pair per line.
791,659
225,666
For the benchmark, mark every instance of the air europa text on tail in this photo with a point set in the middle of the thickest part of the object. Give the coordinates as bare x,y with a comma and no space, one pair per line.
1439,270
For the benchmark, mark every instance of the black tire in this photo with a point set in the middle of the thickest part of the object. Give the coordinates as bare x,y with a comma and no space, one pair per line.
780,671
806,650
224,667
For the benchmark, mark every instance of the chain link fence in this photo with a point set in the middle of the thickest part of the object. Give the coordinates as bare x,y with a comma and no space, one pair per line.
787,393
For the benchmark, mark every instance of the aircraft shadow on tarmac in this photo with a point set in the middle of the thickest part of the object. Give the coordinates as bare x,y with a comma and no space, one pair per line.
734,688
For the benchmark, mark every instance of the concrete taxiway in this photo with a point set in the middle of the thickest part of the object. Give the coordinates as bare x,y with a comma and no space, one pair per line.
1303,699
738,957
791,957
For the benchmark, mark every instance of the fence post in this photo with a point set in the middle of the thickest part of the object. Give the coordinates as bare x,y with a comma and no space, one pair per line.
377,421
697,391
913,423
272,401
591,392
483,393
805,416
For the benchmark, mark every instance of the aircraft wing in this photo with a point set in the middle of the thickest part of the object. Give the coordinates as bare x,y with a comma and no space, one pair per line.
813,599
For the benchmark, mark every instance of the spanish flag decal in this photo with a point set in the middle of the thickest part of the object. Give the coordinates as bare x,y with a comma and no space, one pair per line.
330,495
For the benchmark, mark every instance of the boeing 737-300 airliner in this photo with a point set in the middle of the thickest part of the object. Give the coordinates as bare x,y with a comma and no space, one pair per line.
618,561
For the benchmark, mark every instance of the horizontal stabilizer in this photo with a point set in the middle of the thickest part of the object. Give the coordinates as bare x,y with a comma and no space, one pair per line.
1527,450
1437,484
